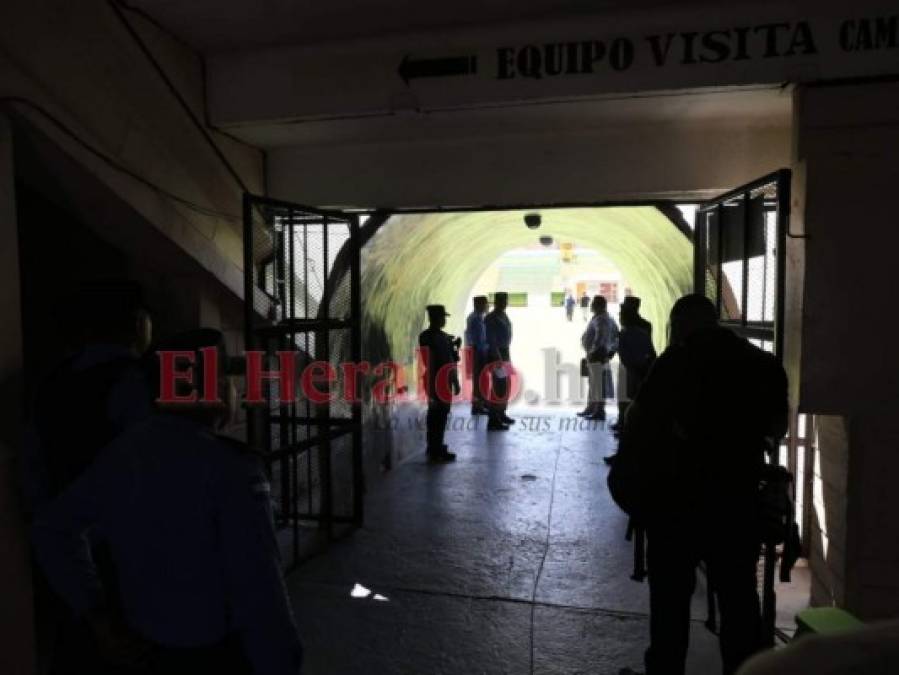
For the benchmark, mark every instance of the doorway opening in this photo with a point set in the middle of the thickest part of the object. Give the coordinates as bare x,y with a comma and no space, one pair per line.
413,259
550,284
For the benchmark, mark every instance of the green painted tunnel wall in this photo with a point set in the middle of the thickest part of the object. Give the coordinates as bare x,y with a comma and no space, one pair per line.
421,259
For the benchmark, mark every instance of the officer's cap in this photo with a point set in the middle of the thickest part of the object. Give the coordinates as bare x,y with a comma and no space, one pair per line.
436,311
500,295
631,301
481,298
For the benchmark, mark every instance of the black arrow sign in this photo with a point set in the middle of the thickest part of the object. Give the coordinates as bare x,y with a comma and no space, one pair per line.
442,67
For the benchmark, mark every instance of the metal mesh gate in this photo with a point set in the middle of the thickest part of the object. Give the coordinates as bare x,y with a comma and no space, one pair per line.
302,296
739,240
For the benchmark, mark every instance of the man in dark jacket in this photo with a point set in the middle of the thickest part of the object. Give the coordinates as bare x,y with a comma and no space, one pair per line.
441,380
636,354
688,470
631,303
86,401
187,518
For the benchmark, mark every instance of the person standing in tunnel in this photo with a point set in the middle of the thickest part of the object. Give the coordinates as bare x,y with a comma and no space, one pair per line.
585,305
569,307
499,340
688,468
187,515
632,303
441,380
600,342
476,341
636,352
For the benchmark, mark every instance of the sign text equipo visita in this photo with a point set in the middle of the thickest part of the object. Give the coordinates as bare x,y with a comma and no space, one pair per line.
686,48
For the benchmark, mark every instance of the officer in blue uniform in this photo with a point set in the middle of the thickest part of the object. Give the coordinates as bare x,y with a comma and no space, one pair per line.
476,340
187,517
85,401
101,384
499,339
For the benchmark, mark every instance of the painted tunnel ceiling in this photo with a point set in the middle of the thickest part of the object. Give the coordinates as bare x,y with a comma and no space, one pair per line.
421,259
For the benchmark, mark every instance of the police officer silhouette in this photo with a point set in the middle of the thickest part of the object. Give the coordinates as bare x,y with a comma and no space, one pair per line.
441,380
499,340
90,397
187,516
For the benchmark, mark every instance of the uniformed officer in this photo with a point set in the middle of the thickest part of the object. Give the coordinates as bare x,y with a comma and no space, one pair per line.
476,341
100,385
89,398
441,380
187,516
499,340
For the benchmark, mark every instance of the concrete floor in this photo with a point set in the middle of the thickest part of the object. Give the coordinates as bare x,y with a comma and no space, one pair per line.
456,550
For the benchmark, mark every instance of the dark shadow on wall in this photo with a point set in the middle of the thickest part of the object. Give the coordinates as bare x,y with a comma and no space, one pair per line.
73,229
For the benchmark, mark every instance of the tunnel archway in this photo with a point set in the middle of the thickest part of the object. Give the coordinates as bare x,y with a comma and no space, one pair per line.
435,258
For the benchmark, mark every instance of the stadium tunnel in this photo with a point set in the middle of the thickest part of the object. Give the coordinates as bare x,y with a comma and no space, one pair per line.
414,260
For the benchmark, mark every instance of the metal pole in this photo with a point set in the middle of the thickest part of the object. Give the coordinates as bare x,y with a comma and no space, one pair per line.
291,410
784,177
322,345
719,271
699,266
249,268
744,295
356,351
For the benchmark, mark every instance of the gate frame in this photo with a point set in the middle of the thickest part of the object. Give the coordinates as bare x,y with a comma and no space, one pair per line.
327,428
781,179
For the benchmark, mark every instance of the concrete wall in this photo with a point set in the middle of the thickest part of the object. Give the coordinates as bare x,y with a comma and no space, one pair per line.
363,78
79,63
847,137
621,162
827,554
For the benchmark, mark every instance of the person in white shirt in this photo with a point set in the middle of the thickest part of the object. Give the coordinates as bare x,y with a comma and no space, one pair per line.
600,342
